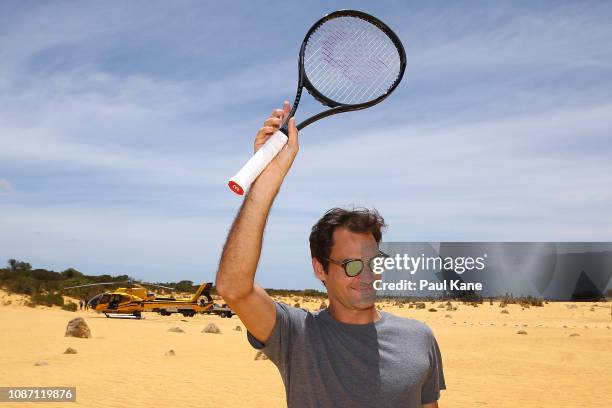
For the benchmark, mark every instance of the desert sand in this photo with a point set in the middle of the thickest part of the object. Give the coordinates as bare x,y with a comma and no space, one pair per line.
486,361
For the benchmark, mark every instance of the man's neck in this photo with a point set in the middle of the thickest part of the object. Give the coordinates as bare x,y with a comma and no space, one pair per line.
349,316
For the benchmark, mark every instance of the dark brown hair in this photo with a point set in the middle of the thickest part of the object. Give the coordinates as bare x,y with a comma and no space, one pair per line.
360,220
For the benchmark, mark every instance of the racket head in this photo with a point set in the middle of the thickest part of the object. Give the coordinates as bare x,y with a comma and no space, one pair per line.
351,60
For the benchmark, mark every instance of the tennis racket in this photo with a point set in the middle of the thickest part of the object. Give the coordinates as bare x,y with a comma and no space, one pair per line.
349,60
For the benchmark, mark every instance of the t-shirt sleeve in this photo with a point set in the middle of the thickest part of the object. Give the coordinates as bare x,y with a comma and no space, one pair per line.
278,346
435,377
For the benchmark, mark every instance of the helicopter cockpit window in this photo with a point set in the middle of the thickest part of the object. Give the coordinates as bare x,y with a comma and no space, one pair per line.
125,299
105,298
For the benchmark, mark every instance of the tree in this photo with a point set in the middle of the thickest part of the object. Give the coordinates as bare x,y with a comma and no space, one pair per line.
18,266
71,273
184,286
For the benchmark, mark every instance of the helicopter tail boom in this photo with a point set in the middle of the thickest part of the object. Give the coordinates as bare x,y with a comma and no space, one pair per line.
203,290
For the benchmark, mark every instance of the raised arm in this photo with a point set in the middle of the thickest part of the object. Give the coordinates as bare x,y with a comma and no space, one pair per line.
236,274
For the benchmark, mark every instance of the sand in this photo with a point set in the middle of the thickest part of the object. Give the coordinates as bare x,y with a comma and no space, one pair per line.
486,362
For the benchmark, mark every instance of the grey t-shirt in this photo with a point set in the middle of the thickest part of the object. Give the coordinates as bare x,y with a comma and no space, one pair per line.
393,362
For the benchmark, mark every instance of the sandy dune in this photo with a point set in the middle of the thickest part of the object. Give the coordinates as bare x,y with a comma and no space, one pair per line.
486,362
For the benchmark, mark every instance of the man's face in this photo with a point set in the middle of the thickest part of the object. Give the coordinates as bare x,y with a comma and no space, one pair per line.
354,293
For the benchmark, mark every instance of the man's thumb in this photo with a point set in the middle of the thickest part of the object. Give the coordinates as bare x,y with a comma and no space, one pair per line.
293,133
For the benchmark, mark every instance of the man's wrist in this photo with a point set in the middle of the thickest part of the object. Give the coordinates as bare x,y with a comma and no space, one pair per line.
262,194
267,184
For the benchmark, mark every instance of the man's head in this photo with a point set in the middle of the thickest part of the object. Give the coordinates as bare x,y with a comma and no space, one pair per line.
342,235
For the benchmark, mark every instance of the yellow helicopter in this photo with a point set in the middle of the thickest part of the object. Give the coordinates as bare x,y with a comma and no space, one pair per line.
132,301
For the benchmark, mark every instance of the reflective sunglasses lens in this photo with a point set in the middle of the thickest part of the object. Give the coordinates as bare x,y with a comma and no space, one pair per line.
354,268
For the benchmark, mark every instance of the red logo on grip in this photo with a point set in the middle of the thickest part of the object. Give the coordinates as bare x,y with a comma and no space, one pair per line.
236,188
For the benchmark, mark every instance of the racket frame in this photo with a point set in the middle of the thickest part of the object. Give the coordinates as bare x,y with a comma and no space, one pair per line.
337,107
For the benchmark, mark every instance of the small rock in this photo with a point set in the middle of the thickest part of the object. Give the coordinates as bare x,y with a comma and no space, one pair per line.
176,329
297,305
521,332
322,306
211,328
419,305
41,363
70,350
449,316
77,327
505,311
170,353
238,328
261,356
574,335
432,310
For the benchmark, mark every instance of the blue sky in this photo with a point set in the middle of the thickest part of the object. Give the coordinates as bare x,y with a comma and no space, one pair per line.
120,123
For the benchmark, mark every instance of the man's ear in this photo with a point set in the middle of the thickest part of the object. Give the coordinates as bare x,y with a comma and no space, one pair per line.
319,272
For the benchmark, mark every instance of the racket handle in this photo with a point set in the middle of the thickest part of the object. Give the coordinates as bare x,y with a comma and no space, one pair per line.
241,181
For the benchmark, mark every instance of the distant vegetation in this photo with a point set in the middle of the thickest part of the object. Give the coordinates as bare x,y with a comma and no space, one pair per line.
47,287
306,292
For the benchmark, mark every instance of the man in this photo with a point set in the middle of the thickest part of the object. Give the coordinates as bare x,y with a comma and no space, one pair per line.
349,355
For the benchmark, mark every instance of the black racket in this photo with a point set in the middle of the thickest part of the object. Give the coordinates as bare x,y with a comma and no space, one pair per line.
348,61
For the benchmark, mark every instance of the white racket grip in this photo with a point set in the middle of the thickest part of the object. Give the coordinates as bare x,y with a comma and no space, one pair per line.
241,181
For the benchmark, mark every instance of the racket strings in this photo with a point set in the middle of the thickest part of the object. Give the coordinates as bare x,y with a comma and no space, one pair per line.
351,61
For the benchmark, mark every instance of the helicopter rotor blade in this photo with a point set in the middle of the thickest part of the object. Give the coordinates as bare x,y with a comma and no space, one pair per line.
159,286
96,284
131,282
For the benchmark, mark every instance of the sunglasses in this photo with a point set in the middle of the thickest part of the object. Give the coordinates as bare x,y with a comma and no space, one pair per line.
353,267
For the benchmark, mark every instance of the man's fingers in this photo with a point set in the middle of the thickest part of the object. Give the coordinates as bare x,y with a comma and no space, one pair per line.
263,133
273,122
277,113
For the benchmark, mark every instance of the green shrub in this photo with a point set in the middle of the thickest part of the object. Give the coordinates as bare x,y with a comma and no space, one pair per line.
48,299
70,306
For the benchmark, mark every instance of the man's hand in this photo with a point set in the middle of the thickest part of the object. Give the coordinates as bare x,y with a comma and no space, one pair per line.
278,168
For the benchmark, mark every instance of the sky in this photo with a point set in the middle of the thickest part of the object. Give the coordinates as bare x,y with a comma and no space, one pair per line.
121,122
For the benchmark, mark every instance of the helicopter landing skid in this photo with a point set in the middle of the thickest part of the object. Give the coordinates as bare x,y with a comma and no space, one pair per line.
123,316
